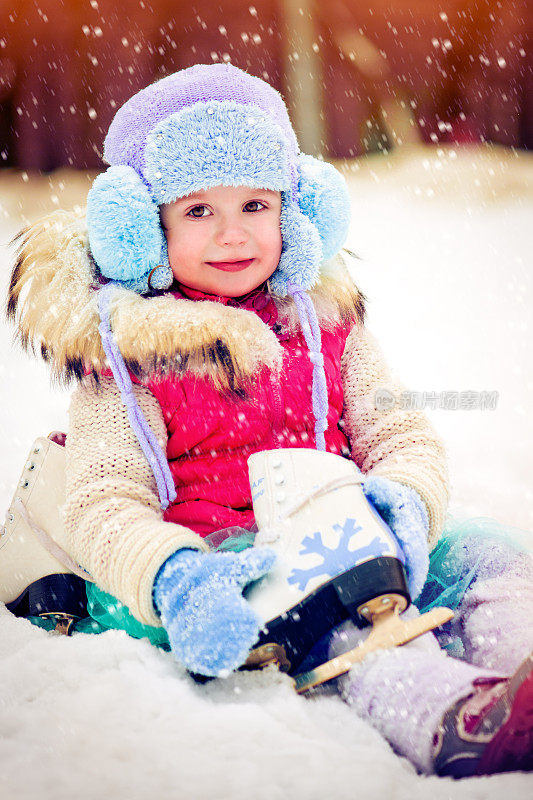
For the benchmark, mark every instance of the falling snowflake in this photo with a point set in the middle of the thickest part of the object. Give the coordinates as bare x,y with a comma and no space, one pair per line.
336,559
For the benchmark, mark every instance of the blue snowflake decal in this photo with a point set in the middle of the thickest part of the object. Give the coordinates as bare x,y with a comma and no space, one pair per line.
338,559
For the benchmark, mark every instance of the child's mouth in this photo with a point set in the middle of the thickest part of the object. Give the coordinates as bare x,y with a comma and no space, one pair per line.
231,266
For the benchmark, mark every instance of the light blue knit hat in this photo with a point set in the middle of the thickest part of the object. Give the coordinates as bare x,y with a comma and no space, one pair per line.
206,126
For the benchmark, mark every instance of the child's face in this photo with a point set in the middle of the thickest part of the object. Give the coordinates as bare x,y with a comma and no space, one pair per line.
225,240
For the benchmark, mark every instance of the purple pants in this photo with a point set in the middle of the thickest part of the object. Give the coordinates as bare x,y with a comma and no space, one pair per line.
404,692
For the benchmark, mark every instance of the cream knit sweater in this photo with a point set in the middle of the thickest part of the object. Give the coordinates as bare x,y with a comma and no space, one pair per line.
113,518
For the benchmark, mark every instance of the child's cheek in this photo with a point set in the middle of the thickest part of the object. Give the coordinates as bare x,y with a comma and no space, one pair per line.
173,249
276,245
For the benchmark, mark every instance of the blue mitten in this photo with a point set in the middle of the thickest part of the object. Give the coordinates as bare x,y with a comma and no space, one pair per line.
210,626
405,513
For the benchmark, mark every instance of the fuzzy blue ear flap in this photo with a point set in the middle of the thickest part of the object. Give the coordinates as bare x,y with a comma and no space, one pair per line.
324,198
301,253
125,234
313,230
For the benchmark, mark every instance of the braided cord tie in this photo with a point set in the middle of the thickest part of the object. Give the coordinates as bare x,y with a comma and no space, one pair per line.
150,446
311,332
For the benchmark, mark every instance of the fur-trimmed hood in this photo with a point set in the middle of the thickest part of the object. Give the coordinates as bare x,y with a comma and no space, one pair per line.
52,300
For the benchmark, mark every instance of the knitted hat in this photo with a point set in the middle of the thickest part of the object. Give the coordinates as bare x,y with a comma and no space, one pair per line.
206,126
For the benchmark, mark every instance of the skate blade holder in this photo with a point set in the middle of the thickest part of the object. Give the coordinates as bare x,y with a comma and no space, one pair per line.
63,622
388,630
267,655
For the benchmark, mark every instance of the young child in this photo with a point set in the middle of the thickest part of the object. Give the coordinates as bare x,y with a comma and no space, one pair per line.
209,271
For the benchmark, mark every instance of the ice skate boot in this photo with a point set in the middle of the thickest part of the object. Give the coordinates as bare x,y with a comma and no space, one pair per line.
337,559
37,576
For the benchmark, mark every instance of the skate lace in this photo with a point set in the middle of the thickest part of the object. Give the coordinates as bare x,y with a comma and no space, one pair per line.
319,491
49,544
266,536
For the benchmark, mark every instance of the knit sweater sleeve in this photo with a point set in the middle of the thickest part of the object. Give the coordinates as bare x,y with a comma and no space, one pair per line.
390,441
113,518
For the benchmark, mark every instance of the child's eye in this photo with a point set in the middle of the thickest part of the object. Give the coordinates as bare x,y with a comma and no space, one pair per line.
254,205
198,211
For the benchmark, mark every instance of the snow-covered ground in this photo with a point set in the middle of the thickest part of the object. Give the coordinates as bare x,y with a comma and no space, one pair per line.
445,241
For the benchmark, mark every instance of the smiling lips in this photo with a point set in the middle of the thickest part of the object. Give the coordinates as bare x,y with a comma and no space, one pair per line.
231,266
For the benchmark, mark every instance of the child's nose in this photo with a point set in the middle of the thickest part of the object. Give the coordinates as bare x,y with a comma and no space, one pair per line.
231,233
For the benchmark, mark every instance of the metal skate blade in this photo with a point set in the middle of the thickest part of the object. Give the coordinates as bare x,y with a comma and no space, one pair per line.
388,630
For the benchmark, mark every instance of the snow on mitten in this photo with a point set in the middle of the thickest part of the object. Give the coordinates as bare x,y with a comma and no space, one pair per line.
210,626
405,513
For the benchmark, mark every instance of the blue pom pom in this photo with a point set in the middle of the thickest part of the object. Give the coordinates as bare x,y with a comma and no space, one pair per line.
123,224
161,278
324,199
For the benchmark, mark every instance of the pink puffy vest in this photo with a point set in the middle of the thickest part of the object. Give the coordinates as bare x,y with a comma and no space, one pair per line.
210,436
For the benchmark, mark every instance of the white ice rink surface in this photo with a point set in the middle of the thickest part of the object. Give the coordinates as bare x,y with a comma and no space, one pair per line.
445,239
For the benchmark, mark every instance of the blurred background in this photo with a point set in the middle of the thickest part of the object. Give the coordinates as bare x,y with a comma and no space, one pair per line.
358,76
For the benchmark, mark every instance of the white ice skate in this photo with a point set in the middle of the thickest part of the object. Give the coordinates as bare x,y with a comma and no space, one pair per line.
337,559
37,576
